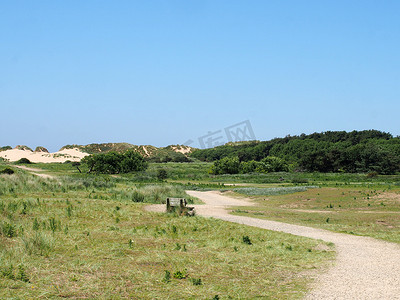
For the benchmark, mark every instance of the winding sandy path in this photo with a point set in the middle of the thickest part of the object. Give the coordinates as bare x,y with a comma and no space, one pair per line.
34,171
365,268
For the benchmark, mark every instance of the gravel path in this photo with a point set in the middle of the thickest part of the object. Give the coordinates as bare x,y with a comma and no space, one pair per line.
365,268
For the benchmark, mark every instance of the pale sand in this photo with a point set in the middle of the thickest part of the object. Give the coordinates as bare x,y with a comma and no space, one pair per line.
182,149
43,157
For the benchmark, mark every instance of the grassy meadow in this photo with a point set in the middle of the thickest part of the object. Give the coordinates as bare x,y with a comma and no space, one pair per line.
363,210
87,236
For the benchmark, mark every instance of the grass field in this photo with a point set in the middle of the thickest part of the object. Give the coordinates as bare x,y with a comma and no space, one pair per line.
363,210
88,236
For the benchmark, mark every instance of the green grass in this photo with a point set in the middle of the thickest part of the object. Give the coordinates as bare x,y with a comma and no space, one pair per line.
366,211
85,236
252,191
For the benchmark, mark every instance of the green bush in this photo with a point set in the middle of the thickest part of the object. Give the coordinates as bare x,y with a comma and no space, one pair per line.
247,240
7,171
137,196
24,160
115,163
162,174
272,164
232,165
227,165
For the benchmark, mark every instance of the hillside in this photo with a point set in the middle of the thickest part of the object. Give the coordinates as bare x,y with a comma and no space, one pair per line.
40,155
176,153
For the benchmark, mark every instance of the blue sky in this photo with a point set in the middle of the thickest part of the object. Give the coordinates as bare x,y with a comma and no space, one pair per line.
164,72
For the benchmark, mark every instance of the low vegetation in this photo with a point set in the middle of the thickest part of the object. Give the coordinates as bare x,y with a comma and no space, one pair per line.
371,210
84,231
88,236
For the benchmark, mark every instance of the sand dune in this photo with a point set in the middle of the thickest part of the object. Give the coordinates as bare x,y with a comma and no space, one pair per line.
43,157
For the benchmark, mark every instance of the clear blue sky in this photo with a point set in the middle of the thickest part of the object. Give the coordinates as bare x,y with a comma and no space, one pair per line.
163,72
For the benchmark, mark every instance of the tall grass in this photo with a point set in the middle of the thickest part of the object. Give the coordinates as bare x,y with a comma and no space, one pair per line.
21,183
152,193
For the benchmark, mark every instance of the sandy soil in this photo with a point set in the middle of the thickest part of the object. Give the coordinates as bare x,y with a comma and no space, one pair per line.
365,268
44,157
34,171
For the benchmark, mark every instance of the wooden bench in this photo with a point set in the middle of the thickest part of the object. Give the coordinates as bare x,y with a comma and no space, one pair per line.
179,205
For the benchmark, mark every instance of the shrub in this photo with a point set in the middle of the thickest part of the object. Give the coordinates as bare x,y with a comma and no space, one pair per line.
247,240
24,160
7,171
227,165
4,148
162,174
113,162
248,166
372,174
272,164
137,196
299,180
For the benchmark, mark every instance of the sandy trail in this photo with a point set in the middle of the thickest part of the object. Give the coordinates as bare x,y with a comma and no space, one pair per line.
365,268
34,171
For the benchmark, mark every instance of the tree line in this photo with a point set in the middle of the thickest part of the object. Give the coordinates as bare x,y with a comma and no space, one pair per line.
332,151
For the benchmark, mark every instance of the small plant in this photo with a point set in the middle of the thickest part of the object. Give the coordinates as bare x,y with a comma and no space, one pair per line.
289,247
216,297
174,229
36,225
167,276
8,230
196,281
137,197
180,275
327,220
24,207
69,211
53,224
246,240
38,244
21,275
130,243
7,272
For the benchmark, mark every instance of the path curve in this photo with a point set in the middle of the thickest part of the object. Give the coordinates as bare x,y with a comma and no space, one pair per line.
34,171
365,268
